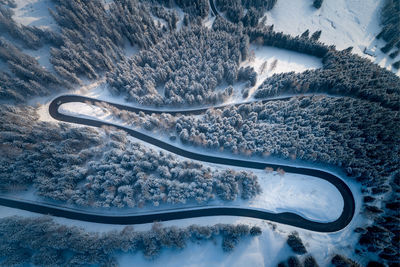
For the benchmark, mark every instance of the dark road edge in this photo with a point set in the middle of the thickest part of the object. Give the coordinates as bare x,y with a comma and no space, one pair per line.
284,218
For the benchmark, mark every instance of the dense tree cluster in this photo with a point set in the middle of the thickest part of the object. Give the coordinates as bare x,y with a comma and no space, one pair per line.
342,261
195,10
132,176
32,150
295,243
171,17
390,21
346,132
41,241
245,11
317,3
31,37
265,35
81,166
383,237
186,68
293,261
25,78
343,74
93,37
90,42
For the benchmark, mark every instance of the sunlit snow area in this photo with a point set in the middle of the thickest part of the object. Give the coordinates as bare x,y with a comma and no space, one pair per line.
343,23
267,60
35,13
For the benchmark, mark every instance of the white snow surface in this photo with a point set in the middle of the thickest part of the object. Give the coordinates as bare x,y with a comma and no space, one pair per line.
343,23
35,13
284,61
42,55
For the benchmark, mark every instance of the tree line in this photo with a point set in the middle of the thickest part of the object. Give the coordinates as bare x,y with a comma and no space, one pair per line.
344,74
244,11
194,9
90,42
184,69
30,37
84,167
24,78
41,241
390,22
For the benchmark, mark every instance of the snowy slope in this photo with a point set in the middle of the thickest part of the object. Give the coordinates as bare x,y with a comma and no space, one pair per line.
270,60
35,13
343,23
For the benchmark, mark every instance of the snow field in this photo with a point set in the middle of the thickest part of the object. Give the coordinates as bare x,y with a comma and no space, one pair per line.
343,23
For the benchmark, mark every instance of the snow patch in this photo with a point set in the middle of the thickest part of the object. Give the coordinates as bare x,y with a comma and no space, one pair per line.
343,23
268,60
42,55
35,13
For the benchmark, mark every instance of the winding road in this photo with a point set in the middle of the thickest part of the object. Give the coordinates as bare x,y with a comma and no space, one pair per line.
184,213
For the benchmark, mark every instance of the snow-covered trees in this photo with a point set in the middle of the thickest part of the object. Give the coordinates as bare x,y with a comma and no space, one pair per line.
195,8
390,21
307,128
171,17
43,242
265,35
317,3
245,11
31,37
247,74
185,68
93,38
343,73
295,243
294,261
340,260
25,77
85,167
91,41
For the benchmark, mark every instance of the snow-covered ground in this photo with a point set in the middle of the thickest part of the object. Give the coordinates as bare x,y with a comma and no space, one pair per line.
269,60
42,55
35,13
343,23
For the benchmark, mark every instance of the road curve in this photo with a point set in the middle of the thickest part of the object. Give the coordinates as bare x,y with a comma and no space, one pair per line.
284,218
213,8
